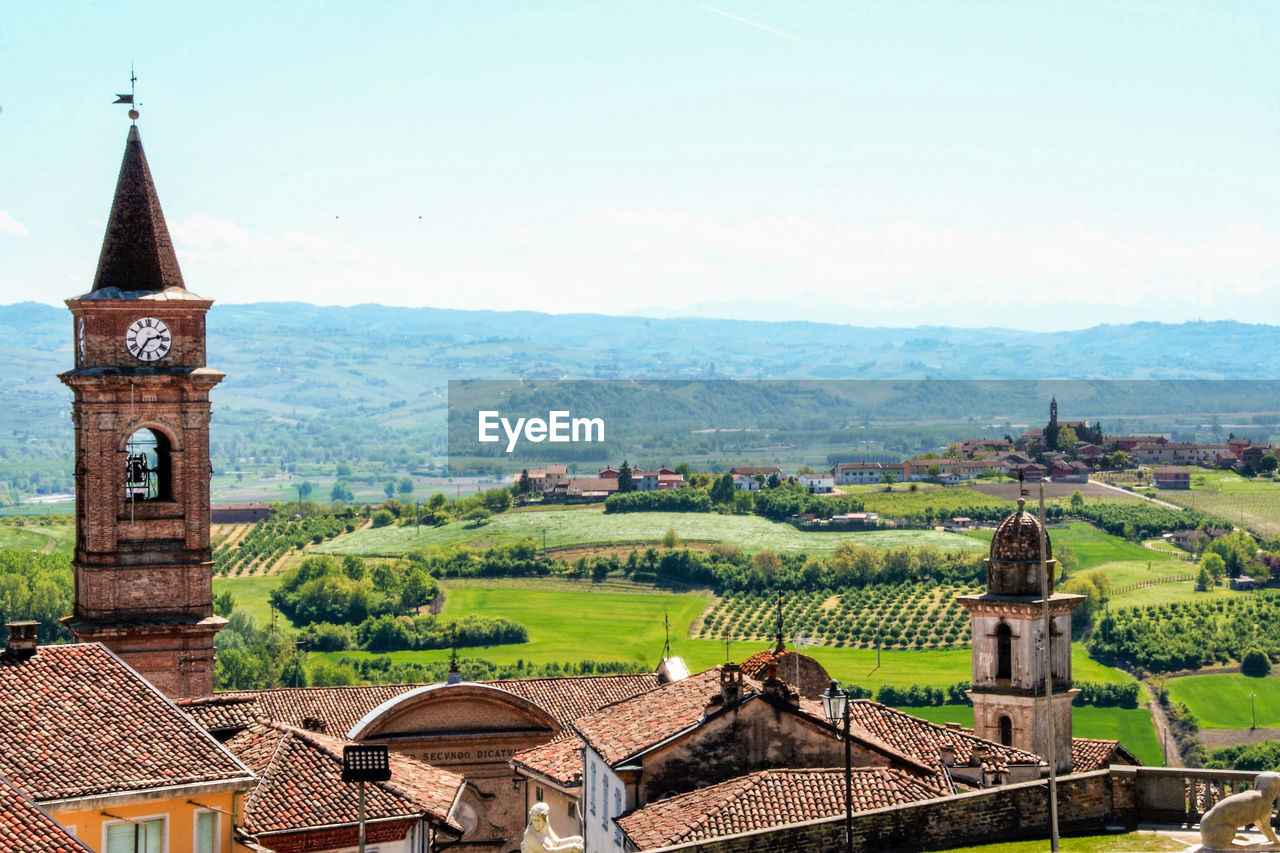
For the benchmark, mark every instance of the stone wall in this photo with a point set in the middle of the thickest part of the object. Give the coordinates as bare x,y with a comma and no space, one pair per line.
1008,812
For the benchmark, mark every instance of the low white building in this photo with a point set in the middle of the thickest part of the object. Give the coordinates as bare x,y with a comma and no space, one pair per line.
817,484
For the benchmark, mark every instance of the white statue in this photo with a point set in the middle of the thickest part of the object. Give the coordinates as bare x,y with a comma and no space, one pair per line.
540,838
1219,824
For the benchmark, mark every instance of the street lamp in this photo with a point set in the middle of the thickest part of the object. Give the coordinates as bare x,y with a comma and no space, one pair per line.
1253,712
835,704
365,762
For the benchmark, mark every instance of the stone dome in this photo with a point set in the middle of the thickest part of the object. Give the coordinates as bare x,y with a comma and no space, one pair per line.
1017,538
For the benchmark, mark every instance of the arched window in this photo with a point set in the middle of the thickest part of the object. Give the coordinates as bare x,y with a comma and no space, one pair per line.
148,472
1004,651
1006,731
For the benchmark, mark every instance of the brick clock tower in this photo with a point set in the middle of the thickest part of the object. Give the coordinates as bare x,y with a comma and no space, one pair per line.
1008,692
143,567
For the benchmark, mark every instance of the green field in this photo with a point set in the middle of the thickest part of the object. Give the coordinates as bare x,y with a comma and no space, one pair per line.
569,622
1251,503
253,594
561,528
36,537
1221,700
1131,726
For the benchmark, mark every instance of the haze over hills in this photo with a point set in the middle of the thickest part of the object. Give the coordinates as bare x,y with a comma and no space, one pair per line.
368,382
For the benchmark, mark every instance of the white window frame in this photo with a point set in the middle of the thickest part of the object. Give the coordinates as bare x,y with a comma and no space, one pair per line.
217,830
164,829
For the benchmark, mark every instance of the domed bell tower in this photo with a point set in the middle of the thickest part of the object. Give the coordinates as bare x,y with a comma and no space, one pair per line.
143,566
1009,684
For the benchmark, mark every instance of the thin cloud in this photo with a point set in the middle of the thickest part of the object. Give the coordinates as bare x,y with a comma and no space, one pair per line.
9,225
756,24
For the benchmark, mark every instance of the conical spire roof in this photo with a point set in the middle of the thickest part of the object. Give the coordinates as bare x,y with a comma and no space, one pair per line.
137,253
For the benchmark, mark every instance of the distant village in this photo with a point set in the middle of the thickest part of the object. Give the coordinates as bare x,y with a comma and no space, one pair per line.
1060,451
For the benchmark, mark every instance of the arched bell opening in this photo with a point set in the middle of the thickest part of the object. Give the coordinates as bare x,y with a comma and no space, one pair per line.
1005,725
1004,652
148,467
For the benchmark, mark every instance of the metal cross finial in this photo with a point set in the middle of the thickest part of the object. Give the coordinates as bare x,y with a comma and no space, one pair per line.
666,627
129,98
1022,486
728,641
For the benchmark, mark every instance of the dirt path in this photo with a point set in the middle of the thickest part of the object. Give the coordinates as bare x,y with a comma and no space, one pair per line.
1164,735
48,547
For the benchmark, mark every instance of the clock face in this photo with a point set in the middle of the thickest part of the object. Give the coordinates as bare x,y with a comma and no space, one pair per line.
148,339
80,337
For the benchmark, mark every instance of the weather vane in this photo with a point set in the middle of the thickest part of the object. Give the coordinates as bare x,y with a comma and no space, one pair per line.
128,99
1022,486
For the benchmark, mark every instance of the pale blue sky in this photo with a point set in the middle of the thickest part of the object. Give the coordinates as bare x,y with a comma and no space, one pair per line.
1036,165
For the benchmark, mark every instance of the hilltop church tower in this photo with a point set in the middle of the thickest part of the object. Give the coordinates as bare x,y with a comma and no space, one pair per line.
143,567
1008,694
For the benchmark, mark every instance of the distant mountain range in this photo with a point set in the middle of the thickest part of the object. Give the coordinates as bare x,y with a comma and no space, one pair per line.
293,367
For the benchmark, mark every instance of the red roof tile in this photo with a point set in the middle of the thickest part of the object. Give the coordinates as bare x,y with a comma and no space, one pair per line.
26,828
922,739
75,720
300,784
620,730
560,760
335,710
1090,754
766,799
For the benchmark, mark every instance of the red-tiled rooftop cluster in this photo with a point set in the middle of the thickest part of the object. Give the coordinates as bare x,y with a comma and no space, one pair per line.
300,783
77,721
336,710
768,798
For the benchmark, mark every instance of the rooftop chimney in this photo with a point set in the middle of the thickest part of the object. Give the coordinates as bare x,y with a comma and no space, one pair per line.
730,683
22,639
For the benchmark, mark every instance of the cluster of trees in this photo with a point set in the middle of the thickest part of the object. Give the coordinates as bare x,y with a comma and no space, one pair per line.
721,567
1105,695
383,670
38,587
1263,756
252,658
387,633
321,589
666,500
1096,589
1188,635
916,695
1138,521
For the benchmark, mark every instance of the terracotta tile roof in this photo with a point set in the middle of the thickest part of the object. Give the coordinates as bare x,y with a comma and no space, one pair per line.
137,252
567,699
766,799
560,760
300,784
334,710
757,666
26,828
75,720
619,730
1090,754
922,739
